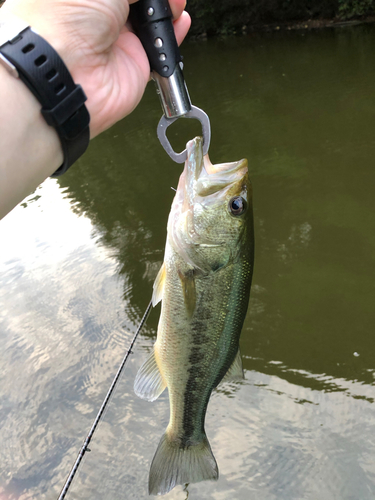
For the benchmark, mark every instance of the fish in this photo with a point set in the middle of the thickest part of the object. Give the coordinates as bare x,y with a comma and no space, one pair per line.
204,288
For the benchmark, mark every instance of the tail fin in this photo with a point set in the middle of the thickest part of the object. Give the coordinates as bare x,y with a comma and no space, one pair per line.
173,465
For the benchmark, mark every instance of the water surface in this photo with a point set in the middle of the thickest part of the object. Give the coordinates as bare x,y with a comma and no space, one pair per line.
79,256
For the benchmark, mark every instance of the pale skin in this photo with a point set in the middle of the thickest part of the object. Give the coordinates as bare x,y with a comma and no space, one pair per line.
102,55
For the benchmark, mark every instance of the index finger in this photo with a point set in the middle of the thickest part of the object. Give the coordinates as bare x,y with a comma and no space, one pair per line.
177,7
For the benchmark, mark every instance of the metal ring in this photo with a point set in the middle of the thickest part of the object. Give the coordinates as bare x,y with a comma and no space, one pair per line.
164,123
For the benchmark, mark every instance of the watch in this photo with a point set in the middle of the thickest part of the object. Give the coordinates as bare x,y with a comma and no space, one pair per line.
29,57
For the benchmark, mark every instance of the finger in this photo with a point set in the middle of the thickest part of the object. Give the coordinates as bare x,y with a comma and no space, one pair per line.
181,27
177,7
181,24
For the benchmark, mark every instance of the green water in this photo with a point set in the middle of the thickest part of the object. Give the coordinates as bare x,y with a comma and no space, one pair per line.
79,256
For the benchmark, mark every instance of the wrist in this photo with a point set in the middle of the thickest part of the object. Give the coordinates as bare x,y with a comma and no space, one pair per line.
30,149
23,109
42,70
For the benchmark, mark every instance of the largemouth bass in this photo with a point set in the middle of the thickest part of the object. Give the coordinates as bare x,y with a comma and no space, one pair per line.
204,285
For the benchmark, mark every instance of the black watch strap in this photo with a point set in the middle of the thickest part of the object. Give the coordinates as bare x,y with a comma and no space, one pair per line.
41,68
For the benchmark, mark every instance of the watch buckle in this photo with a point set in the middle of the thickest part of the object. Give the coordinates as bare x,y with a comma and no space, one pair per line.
8,66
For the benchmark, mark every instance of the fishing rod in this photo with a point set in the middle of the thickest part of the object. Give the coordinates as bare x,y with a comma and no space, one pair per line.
84,447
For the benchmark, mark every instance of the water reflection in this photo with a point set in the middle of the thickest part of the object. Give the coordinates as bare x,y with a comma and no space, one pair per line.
78,258
290,104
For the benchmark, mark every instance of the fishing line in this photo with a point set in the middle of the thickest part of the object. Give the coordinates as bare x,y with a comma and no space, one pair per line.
84,447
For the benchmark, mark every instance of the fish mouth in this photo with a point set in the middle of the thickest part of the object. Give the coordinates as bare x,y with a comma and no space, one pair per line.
212,182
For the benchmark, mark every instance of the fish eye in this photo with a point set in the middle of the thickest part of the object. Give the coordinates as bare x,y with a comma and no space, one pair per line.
237,205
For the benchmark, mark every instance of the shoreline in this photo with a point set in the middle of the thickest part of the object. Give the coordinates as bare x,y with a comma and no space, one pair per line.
309,24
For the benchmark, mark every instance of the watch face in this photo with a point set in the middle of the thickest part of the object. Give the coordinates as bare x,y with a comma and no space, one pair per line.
10,27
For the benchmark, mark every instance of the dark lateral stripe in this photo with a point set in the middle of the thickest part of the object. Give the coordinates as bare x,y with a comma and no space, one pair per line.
197,393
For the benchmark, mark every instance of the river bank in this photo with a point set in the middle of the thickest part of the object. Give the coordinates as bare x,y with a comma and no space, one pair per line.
307,24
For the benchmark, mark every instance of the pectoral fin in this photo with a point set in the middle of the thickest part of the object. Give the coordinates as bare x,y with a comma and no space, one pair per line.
188,289
159,286
149,382
235,371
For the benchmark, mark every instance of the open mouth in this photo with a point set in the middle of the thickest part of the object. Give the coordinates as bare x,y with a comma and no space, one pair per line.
218,179
203,178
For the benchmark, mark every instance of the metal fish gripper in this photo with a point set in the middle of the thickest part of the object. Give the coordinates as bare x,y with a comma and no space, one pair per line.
152,23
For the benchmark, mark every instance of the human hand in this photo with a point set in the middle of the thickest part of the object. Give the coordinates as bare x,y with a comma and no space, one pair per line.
101,53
